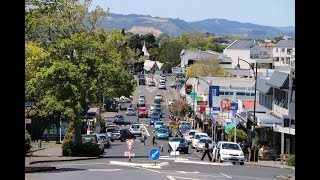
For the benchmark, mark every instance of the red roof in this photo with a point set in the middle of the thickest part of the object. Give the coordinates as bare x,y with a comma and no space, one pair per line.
249,104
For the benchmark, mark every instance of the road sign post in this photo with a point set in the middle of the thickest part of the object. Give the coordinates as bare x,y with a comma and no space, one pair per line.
154,155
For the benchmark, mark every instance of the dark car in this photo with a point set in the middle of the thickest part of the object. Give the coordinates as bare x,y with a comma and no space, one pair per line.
153,120
121,134
118,119
155,114
159,111
168,128
157,101
183,146
184,129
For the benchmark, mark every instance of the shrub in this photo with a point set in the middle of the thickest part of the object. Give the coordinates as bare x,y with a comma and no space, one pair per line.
291,160
27,142
241,135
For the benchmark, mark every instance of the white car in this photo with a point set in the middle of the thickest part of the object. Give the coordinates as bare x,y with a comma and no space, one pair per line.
158,96
162,85
130,112
151,107
189,136
201,144
162,80
151,83
196,139
141,97
228,151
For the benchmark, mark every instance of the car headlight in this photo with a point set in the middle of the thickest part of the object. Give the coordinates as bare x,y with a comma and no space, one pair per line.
241,154
224,153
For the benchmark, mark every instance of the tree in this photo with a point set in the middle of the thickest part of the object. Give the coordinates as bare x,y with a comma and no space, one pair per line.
241,135
169,54
207,68
123,32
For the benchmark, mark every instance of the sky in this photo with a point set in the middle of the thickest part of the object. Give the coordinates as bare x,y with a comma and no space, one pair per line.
280,13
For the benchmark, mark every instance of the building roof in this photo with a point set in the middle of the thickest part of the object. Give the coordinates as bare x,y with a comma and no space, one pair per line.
262,85
199,55
241,44
279,79
286,43
148,64
240,72
270,44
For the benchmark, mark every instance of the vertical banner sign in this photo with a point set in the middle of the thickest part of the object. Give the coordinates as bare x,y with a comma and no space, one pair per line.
214,99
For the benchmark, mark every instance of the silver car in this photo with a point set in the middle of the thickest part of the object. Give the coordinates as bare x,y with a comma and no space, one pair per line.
105,139
162,85
201,144
130,112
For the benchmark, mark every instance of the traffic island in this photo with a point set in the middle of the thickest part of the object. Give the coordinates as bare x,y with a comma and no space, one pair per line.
38,169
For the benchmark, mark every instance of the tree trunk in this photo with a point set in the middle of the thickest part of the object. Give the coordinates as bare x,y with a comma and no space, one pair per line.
77,130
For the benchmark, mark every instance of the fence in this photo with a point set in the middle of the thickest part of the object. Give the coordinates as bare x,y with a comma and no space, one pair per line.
35,145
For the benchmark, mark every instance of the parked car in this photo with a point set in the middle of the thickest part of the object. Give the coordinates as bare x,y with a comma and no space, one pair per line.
158,96
155,114
183,146
106,140
173,84
118,119
135,129
168,128
95,139
201,144
158,124
151,107
196,139
141,97
162,133
130,112
142,112
151,83
184,129
189,136
122,135
228,151
159,111
110,125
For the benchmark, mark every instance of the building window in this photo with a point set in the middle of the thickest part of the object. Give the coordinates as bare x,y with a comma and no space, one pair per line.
289,51
282,49
260,53
281,98
276,58
264,53
221,93
282,58
276,49
255,55
240,93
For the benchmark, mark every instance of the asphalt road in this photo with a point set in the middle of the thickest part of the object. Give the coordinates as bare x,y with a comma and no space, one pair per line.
110,168
114,165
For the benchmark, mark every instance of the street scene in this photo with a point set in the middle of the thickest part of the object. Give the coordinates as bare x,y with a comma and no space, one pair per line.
136,101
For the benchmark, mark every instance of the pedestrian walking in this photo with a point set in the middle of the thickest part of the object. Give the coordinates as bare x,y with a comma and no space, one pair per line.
206,151
138,120
144,138
154,139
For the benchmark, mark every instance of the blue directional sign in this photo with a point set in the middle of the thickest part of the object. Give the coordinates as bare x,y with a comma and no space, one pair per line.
154,154
214,100
234,106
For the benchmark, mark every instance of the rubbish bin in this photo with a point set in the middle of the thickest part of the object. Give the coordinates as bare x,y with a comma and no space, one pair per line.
254,155
161,148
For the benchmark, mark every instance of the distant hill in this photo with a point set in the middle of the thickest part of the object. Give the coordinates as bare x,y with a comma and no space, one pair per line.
141,24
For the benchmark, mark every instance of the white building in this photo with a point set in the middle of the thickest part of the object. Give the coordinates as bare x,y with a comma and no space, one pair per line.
249,51
282,52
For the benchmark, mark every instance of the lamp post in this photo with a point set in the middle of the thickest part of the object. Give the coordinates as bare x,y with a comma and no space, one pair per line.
255,94
213,128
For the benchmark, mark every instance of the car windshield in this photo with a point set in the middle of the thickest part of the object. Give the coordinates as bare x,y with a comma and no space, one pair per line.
230,146
116,131
110,130
119,116
135,126
162,131
181,140
203,136
129,109
191,133
159,123
89,138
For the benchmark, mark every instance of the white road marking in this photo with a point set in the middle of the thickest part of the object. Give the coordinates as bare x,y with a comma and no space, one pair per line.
198,154
79,164
173,178
158,166
207,163
184,172
226,175
104,169
173,158
148,169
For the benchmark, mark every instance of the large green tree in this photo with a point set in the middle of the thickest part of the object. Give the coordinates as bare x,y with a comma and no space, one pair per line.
169,54
82,64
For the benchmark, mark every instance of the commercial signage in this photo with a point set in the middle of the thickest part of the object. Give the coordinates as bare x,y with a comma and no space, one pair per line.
193,95
199,98
234,106
214,100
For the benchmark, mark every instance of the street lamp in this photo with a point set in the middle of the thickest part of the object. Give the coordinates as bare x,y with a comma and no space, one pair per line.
255,94
213,128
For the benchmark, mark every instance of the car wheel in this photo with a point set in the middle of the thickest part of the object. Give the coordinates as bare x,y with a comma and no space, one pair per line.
197,150
186,151
241,163
111,140
233,162
102,151
122,139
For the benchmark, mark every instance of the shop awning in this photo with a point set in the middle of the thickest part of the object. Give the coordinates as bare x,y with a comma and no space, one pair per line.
267,120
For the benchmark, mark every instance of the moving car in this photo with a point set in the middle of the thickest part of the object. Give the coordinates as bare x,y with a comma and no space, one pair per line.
95,139
173,84
141,103
228,151
162,80
136,129
142,112
196,139
109,131
184,129
142,97
155,114
153,120
122,135
189,136
159,111
183,146
162,133
158,96
162,85
130,112
201,144
118,119
151,83
158,124
168,128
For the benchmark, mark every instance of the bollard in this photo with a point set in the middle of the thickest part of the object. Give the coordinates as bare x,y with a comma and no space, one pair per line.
161,148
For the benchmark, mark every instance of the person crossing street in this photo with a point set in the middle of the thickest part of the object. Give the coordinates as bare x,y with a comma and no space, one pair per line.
206,151
154,138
